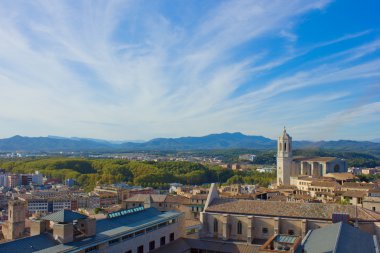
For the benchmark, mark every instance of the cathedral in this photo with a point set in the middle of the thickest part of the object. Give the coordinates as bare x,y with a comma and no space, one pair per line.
289,166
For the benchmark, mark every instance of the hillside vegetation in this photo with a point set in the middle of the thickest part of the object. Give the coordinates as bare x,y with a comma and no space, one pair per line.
89,172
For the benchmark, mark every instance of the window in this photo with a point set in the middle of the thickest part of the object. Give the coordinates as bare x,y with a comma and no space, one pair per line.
140,249
162,224
290,232
126,237
141,232
152,245
91,249
373,208
114,241
150,229
215,225
171,237
162,241
239,228
265,230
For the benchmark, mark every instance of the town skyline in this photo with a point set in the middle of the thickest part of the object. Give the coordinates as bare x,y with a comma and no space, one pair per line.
125,70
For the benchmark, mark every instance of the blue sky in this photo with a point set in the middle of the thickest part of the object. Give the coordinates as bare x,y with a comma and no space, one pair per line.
140,70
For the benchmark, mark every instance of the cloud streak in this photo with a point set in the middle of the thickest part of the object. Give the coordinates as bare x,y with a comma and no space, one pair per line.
124,70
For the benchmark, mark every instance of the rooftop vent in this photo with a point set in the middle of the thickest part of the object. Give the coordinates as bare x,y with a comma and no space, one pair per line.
340,217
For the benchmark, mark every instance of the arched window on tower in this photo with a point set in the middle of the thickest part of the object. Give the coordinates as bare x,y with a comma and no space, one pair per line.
215,225
285,146
280,145
239,228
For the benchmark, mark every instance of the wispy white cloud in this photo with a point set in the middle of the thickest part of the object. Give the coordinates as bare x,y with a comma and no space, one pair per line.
119,69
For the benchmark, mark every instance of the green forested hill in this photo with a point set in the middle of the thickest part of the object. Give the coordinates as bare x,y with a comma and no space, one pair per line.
89,172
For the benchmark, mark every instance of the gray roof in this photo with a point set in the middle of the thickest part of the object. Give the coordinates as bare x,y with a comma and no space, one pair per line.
64,216
106,229
338,238
29,244
110,228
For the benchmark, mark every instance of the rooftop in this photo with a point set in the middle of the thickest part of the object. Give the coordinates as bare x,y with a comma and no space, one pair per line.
341,176
331,184
185,244
29,244
106,229
145,197
338,237
355,194
64,216
319,211
359,185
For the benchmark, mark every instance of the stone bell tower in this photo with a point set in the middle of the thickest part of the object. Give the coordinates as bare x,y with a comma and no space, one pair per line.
284,158
14,227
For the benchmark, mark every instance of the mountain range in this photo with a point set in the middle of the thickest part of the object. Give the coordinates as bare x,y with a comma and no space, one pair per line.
212,141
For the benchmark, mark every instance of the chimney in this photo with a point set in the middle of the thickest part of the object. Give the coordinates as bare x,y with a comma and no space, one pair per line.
38,226
63,232
87,226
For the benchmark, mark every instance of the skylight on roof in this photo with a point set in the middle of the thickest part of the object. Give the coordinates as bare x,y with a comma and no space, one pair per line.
125,212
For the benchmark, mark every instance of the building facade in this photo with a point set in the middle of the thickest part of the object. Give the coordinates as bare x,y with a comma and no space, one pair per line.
254,221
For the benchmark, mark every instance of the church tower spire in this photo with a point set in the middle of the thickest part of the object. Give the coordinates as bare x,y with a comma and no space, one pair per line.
284,158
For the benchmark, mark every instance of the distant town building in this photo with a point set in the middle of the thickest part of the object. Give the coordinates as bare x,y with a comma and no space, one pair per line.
247,157
70,182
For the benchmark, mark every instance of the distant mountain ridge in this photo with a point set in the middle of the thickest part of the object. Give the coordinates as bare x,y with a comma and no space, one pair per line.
212,141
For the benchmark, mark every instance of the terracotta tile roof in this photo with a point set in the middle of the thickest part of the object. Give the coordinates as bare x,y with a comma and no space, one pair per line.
144,197
177,199
355,194
199,196
330,184
371,199
341,176
192,222
359,185
278,198
288,209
